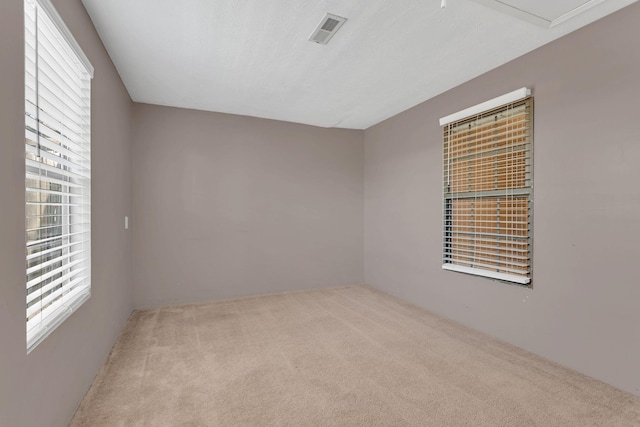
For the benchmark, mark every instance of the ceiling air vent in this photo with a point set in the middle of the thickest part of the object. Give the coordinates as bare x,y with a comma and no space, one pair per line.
329,25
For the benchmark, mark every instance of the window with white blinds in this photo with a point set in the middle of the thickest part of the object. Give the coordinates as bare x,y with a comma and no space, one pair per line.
488,189
58,171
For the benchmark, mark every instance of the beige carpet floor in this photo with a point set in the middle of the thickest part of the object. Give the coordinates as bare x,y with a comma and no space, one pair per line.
342,357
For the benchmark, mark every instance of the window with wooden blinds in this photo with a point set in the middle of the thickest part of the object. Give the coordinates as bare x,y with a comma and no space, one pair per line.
488,189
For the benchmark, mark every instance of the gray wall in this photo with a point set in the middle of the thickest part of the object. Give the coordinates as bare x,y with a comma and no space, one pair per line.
226,206
44,387
584,309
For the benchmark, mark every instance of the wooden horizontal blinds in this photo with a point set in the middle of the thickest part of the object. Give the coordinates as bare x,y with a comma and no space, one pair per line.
488,193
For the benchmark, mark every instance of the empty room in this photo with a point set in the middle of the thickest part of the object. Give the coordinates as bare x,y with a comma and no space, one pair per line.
319,213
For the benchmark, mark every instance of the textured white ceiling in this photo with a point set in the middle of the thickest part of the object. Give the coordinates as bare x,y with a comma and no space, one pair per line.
252,57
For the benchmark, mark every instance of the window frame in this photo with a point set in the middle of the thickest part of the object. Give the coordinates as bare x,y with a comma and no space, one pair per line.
472,115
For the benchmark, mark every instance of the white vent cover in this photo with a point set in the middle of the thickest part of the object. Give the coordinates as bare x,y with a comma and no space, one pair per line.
329,25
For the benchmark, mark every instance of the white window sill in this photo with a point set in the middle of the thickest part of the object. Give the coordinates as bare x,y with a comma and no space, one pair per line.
486,273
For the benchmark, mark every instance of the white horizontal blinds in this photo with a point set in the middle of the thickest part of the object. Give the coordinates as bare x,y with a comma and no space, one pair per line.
58,172
487,193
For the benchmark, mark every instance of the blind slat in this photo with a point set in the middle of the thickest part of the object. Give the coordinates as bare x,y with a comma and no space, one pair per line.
55,140
492,257
51,180
50,239
49,286
52,273
475,244
47,251
52,169
45,301
79,169
53,261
